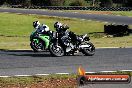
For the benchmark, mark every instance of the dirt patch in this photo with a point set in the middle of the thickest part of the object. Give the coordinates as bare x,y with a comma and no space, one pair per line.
50,83
54,17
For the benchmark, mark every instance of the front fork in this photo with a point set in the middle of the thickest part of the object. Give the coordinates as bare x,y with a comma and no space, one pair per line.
57,39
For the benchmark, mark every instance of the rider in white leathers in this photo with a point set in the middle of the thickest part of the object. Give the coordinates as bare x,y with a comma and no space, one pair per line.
41,28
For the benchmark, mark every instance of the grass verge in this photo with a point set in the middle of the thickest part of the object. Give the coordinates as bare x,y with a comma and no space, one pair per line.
51,81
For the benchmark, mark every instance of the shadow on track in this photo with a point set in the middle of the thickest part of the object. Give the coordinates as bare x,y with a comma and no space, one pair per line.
6,50
29,53
32,55
25,53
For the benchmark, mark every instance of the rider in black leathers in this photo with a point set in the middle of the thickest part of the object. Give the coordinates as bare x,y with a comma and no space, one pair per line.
65,35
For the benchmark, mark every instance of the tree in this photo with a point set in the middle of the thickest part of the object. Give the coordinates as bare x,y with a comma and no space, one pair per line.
106,3
57,2
2,2
78,3
129,3
40,2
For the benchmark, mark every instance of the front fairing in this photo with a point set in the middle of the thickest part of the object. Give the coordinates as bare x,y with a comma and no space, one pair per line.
42,36
34,34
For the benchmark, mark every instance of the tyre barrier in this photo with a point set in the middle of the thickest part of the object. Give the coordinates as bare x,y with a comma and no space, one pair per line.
75,8
117,30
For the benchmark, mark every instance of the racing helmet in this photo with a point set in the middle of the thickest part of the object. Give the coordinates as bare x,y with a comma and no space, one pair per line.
57,25
64,27
45,27
36,24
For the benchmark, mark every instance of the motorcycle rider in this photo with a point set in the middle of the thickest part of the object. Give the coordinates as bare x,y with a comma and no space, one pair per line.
36,24
57,26
65,34
44,29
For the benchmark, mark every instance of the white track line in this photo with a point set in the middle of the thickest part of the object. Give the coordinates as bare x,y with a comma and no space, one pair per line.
107,71
106,47
22,75
126,70
4,76
62,73
90,72
42,74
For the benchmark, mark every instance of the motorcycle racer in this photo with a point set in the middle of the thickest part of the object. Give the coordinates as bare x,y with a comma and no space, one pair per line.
43,29
36,24
68,43
64,33
57,26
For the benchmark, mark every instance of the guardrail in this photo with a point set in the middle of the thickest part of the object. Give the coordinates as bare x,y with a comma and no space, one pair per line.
75,8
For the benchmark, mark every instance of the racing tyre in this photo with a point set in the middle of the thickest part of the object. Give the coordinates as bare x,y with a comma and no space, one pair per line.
56,50
88,51
37,47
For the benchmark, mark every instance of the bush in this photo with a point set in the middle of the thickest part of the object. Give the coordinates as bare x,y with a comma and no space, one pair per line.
106,3
67,2
57,2
78,3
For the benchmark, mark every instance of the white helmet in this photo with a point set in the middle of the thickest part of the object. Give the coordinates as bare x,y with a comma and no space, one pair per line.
45,27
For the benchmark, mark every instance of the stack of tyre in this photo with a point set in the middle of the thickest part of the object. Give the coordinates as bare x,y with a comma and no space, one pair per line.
117,30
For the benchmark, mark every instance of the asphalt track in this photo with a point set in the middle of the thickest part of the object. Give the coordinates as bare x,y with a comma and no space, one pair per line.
26,62
21,62
104,18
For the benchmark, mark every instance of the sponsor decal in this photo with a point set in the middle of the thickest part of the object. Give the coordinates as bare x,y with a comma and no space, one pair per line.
97,78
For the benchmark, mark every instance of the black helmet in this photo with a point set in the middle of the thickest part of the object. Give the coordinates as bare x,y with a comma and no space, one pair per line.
64,27
57,25
36,24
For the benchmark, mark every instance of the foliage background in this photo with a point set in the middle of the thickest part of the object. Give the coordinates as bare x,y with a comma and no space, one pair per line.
96,3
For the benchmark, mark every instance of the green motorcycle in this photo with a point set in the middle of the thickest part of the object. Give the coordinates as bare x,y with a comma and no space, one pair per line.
39,41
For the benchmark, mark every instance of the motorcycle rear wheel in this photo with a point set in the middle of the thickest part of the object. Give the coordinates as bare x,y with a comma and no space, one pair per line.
88,51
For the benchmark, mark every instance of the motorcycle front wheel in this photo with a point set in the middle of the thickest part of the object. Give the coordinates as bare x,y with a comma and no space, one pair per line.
56,50
37,47
90,50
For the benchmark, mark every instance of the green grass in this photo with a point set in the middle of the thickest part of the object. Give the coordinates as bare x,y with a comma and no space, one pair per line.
122,13
21,25
15,30
113,42
14,42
